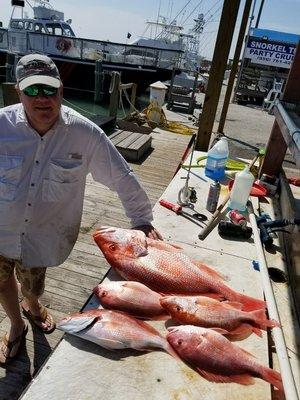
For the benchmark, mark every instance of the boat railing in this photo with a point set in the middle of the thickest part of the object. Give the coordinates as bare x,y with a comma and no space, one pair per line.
87,50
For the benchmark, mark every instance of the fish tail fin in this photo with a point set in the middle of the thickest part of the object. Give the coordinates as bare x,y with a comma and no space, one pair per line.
261,320
273,377
249,303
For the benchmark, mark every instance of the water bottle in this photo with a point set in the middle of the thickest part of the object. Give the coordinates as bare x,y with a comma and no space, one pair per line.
216,160
241,189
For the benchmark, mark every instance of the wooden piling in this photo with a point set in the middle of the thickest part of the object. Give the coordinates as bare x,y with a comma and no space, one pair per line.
98,81
10,96
114,93
219,62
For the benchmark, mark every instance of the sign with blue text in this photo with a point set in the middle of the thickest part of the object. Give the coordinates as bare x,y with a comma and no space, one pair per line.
272,48
276,54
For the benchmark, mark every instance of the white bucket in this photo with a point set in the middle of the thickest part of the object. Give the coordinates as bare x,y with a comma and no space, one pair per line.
158,92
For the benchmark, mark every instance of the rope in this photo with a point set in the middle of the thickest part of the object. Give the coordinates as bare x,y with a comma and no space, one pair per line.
121,102
153,111
79,108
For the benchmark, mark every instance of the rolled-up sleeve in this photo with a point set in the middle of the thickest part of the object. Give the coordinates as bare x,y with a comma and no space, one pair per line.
108,167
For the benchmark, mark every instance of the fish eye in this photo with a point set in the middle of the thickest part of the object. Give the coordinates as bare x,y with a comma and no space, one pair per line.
180,341
178,308
112,247
104,293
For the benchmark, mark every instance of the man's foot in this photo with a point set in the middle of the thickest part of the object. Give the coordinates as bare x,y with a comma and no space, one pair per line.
40,317
11,344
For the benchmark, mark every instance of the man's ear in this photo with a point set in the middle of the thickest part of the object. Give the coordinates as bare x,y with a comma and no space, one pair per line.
17,90
61,90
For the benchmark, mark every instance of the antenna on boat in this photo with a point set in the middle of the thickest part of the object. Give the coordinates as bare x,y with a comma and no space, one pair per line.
157,19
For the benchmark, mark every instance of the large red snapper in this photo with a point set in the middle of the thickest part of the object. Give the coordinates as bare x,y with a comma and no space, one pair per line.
216,358
163,271
114,330
131,297
211,313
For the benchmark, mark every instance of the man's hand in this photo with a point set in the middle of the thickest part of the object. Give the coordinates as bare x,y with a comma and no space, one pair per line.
149,231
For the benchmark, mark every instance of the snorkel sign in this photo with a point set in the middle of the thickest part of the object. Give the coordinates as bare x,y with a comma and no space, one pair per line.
266,52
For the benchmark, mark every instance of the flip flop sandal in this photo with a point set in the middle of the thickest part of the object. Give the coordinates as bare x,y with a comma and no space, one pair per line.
41,318
11,344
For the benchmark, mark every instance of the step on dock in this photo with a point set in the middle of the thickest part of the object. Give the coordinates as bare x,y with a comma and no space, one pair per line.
132,145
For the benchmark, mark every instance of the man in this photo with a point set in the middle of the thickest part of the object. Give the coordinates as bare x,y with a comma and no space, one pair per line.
46,151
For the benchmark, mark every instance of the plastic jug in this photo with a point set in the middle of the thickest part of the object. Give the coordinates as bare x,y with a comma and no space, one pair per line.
241,190
216,160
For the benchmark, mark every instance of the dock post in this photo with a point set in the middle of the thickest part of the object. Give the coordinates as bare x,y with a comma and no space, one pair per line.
221,51
10,96
10,67
98,81
114,93
133,97
234,66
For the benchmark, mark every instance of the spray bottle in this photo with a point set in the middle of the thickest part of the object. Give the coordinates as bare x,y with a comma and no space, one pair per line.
241,190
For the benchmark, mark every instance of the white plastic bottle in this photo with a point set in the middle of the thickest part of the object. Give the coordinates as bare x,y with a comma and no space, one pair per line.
216,160
241,189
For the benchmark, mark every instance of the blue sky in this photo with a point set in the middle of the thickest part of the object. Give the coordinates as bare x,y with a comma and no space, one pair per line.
112,19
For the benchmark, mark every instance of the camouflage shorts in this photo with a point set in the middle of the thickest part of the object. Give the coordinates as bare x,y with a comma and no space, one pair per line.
31,279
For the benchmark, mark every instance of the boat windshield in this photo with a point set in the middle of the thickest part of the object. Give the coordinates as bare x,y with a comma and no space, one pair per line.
59,29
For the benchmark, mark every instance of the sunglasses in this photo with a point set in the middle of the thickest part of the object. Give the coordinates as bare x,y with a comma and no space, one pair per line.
35,90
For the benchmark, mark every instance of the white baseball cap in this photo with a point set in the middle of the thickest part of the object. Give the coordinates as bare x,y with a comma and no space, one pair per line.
37,69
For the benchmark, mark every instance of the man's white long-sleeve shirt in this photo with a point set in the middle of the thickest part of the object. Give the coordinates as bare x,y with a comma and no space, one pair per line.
42,182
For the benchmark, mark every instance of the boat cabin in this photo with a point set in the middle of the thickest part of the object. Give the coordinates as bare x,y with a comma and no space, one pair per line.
45,20
41,26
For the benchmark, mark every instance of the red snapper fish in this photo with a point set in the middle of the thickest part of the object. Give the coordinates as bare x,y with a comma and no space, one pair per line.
114,330
163,271
131,297
217,359
210,313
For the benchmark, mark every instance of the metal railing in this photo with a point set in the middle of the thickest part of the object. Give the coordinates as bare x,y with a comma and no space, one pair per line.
88,50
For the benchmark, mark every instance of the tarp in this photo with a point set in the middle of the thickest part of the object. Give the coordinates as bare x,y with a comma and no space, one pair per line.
272,48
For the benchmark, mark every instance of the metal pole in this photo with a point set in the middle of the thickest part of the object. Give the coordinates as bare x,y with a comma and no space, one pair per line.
246,41
259,13
234,65
283,358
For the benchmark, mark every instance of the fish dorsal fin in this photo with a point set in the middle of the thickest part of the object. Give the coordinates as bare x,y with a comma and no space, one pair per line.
244,379
234,304
210,271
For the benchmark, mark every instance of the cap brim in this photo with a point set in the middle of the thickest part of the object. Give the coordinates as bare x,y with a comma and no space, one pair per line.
39,79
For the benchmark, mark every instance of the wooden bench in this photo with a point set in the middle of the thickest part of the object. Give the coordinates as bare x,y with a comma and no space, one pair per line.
132,145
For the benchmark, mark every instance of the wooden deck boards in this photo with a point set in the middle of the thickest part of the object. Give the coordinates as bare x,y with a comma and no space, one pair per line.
68,286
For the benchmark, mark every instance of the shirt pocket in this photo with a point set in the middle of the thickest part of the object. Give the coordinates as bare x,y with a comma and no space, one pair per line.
65,177
10,173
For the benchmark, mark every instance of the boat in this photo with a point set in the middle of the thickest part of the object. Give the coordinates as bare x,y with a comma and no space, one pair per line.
47,32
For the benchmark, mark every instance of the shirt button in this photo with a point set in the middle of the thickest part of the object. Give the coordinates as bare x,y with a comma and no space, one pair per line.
26,220
29,204
36,161
32,184
23,233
